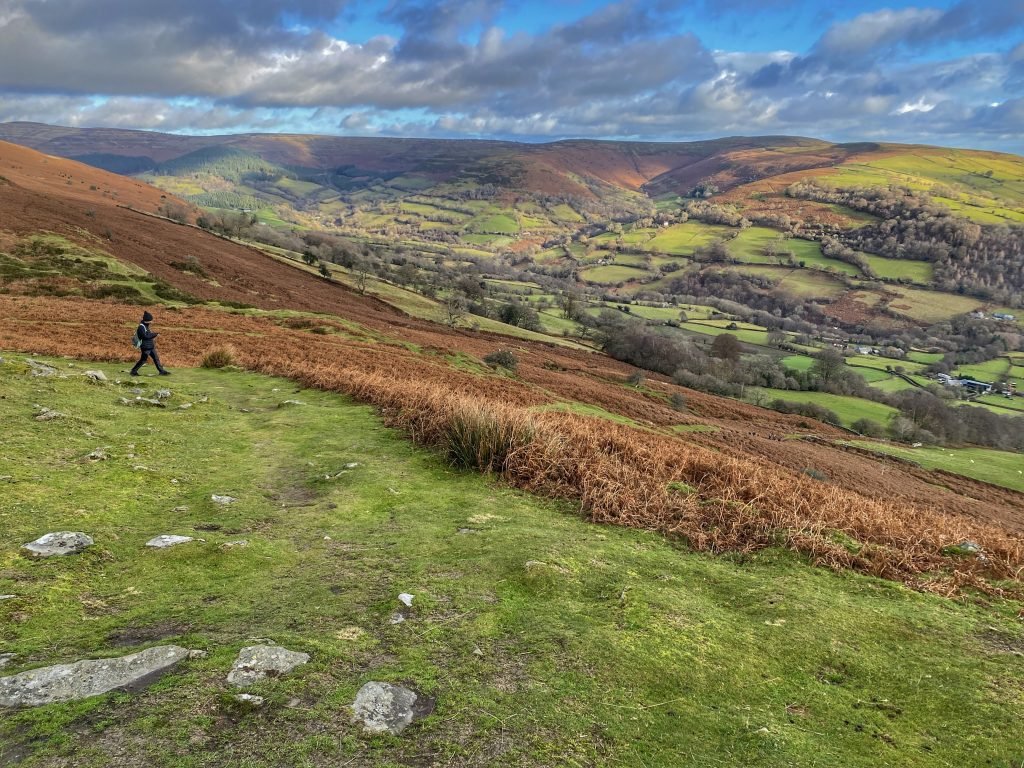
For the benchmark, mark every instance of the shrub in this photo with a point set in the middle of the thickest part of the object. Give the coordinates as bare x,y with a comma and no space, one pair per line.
677,401
635,379
477,438
868,428
502,359
220,357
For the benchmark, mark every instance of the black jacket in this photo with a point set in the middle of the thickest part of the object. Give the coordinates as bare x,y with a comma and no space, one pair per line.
148,338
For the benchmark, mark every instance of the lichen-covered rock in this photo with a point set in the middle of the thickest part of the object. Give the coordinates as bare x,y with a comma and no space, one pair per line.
96,375
258,662
82,679
165,540
387,708
59,543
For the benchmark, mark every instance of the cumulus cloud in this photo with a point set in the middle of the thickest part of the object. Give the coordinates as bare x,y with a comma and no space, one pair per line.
632,68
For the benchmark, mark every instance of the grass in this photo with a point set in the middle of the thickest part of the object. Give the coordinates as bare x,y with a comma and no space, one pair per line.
849,409
921,272
804,283
612,274
683,239
997,467
614,649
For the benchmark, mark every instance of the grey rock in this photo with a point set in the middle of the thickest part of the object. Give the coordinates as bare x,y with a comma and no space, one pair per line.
7,597
162,394
98,455
184,406
406,599
48,414
233,544
7,658
96,375
249,699
223,499
59,543
352,465
193,655
396,618
290,402
387,708
82,679
257,662
41,369
165,540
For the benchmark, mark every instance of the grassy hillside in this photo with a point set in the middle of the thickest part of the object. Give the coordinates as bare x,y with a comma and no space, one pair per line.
546,640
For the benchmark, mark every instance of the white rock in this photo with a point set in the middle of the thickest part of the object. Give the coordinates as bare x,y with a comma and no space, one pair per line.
96,375
165,540
396,618
223,499
406,599
59,543
248,698
257,662
386,708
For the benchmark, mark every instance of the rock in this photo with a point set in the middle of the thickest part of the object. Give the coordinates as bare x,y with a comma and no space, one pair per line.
257,662
223,499
406,599
41,369
59,543
969,547
141,401
180,510
96,375
233,544
396,618
82,679
98,455
249,699
7,658
184,406
193,655
464,531
162,394
386,708
165,540
477,651
352,465
48,414
7,597
290,402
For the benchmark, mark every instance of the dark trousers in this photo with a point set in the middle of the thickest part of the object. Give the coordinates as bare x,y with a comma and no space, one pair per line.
148,353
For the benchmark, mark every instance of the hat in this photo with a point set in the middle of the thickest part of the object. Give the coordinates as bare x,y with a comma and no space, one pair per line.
146,317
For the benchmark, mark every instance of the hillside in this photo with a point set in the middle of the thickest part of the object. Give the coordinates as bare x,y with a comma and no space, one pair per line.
605,566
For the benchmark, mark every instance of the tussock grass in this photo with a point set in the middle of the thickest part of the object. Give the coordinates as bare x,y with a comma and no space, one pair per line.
220,357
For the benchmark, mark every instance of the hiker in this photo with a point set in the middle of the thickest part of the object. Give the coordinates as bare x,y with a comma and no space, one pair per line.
147,345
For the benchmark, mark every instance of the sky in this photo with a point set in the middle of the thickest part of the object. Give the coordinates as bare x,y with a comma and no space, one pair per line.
938,72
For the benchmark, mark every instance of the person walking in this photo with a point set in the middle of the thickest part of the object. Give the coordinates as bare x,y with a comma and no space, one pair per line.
147,346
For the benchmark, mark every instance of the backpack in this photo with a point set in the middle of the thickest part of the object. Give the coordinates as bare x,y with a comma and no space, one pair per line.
136,341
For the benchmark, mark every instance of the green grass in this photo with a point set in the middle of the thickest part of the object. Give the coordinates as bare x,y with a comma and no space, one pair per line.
612,273
682,239
709,327
804,283
495,224
997,467
922,272
849,409
585,409
615,650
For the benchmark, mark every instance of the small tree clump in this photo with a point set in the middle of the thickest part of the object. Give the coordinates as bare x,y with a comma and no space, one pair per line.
502,359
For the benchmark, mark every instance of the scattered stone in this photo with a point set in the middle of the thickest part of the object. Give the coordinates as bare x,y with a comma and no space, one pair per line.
386,708
137,390
352,465
48,414
59,543
204,399
41,369
249,699
233,544
141,401
531,564
165,540
82,679
223,499
162,394
396,618
7,597
193,655
184,406
290,402
140,468
257,662
98,455
7,658
96,375
406,599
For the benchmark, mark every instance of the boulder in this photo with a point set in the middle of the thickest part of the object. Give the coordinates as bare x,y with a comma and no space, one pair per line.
59,543
82,679
222,499
48,414
387,708
41,369
165,540
7,658
96,375
162,394
258,662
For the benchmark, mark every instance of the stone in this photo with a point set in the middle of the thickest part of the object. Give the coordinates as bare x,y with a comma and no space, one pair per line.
48,414
41,369
98,455
193,655
82,679
406,599
184,406
352,465
249,699
7,658
7,597
223,499
96,375
233,544
162,394
165,540
59,543
387,708
396,618
257,662
291,402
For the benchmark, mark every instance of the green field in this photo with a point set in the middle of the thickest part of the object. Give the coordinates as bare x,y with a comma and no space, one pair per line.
996,467
544,639
683,238
848,409
804,283
494,224
930,306
921,272
612,274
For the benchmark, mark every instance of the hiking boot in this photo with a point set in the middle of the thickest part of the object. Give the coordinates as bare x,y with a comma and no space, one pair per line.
165,373
133,373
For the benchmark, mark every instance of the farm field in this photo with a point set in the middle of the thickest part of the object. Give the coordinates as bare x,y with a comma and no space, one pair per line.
996,467
921,272
803,283
532,606
612,274
848,409
682,239
930,306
